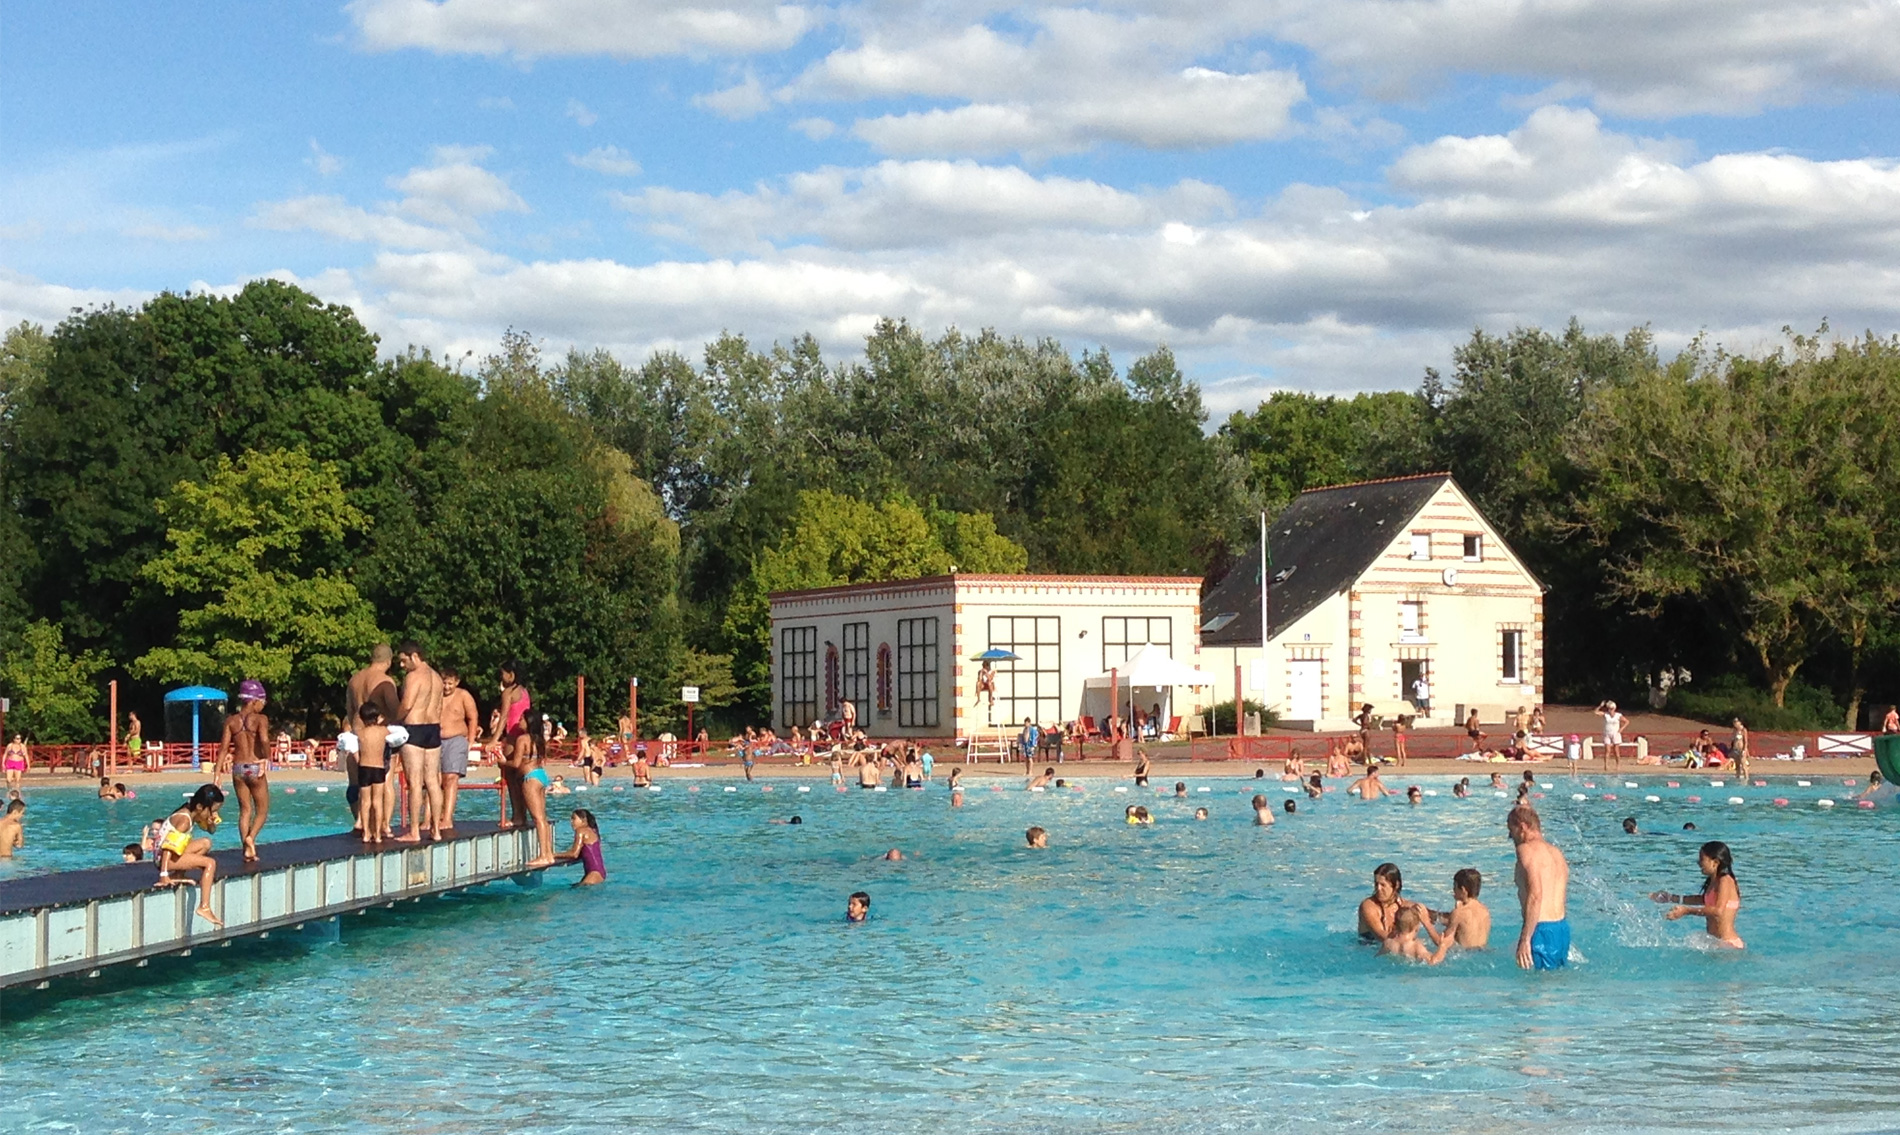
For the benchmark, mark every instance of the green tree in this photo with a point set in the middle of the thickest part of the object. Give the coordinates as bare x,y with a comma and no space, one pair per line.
258,548
1295,441
55,693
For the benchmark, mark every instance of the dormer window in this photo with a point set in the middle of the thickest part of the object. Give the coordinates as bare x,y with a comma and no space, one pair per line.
1421,545
1474,548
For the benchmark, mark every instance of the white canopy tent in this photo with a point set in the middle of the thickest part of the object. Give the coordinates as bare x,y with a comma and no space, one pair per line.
1150,671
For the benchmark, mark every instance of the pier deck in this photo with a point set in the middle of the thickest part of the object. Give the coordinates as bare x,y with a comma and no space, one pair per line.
79,922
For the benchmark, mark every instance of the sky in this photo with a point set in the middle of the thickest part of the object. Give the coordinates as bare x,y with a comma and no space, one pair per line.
1321,195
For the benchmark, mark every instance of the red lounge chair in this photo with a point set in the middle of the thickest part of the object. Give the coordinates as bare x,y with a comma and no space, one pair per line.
1174,726
1089,731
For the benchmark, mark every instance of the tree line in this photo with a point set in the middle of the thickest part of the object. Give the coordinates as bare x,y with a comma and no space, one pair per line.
206,488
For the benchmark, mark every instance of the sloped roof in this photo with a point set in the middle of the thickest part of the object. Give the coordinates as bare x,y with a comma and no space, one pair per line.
1323,541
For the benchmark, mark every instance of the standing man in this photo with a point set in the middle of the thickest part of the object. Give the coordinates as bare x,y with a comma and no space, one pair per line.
1543,882
459,728
422,752
245,750
1028,739
371,685
1422,693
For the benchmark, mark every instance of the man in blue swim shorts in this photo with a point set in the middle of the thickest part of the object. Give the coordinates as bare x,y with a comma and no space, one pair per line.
1543,881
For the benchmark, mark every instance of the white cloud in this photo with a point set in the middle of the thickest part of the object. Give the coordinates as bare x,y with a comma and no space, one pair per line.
325,163
577,110
741,100
23,297
455,190
817,129
624,29
610,160
441,206
170,234
1635,57
1080,79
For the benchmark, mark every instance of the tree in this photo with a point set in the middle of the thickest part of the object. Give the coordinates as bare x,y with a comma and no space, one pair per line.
55,693
1295,441
835,539
259,548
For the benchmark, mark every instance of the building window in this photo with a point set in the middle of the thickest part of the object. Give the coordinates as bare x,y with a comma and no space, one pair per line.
1421,545
832,701
1513,656
1411,621
857,665
883,679
798,675
1474,548
917,674
1032,686
1122,636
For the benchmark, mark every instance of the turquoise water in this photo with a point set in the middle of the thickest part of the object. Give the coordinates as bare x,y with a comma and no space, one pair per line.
1188,977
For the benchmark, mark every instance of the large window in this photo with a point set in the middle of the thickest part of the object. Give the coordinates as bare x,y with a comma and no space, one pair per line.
798,675
1512,660
918,662
1122,636
857,666
1032,686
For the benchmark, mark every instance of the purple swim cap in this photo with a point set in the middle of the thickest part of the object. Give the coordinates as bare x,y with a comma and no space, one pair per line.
250,689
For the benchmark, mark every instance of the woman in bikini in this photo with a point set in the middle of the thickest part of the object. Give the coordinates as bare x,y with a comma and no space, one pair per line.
244,749
177,850
516,742
17,758
535,785
586,849
1721,896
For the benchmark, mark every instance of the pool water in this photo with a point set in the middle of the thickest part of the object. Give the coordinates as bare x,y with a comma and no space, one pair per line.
1187,977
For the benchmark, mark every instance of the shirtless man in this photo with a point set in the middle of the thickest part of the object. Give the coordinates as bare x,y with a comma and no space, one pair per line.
460,728
12,825
1543,881
422,752
1369,786
245,750
370,685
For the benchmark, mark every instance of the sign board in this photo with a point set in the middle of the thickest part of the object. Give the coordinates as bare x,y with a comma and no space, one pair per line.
689,693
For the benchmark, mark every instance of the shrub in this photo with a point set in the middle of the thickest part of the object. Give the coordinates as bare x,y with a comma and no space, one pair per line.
1727,697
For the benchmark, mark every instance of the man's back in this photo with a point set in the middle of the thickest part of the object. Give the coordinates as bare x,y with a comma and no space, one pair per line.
1542,870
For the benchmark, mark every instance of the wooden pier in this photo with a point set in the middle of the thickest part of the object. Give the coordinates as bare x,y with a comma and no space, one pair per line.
81,922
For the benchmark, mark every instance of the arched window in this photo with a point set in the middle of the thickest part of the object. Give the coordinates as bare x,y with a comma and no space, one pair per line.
831,678
884,679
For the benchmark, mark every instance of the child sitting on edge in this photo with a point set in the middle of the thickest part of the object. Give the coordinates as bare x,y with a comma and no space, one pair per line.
1468,923
1404,941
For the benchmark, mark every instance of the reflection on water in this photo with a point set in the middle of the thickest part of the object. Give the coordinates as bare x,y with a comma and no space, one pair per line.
1192,976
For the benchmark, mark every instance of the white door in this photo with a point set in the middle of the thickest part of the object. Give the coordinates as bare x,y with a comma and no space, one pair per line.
1303,678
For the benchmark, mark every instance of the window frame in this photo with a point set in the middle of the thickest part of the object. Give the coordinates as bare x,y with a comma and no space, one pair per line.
1474,547
854,658
1116,635
919,672
1417,631
798,674
1426,537
1041,665
1511,655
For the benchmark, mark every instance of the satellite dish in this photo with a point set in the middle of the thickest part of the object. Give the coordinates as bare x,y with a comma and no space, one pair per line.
1450,576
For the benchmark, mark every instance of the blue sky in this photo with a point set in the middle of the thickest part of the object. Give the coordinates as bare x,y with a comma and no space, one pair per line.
1308,194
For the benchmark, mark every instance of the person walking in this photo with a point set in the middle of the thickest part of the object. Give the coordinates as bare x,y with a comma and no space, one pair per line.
1543,883
245,750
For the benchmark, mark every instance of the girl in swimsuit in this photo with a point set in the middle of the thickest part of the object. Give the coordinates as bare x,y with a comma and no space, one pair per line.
534,792
515,740
244,751
177,850
16,760
1720,899
586,849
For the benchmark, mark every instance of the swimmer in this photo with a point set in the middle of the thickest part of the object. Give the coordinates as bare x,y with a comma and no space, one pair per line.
1128,815
857,908
1315,787
794,821
956,797
1543,882
1468,922
1497,780
1289,807
1720,899
1201,813
178,849
1689,827
1263,812
244,749
956,780
559,787
372,771
123,793
1143,818
132,853
1462,789
1413,796
1037,837
1629,826
869,775
1260,774
1180,790
1042,781
105,789
1369,785
1377,910
893,855
12,828
586,850
1141,768
1403,941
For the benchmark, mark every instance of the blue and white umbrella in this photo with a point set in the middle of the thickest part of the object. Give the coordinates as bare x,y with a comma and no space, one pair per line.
996,654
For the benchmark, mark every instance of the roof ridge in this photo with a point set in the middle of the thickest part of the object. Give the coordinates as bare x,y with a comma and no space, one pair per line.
1375,481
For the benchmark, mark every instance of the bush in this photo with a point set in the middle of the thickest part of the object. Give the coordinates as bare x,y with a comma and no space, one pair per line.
1224,716
1725,698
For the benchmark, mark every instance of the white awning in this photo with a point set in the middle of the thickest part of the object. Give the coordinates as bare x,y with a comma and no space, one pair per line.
1151,666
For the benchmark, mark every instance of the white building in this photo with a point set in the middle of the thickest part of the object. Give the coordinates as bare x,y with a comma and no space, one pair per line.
902,651
1373,586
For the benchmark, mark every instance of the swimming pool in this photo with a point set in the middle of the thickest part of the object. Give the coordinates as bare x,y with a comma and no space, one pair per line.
1191,976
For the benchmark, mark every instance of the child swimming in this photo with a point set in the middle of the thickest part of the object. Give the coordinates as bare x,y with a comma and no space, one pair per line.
1263,812
1468,922
1721,897
857,908
1403,941
1037,837
586,850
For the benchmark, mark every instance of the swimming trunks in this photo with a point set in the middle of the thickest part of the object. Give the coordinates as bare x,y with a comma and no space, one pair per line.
368,776
455,756
16,766
425,736
1550,944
